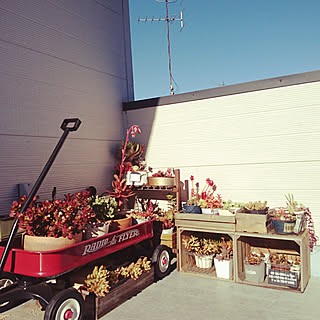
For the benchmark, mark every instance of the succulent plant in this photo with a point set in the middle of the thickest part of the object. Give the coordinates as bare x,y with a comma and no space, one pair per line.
256,205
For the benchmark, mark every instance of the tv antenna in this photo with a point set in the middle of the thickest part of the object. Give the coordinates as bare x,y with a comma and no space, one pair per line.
168,20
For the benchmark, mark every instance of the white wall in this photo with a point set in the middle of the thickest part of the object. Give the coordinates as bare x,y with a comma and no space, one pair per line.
61,59
257,143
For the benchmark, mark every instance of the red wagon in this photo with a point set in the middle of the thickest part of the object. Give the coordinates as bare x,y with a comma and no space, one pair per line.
47,275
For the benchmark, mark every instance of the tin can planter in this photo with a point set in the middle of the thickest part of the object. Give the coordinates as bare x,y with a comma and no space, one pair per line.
203,261
255,272
37,243
161,181
283,227
191,209
224,268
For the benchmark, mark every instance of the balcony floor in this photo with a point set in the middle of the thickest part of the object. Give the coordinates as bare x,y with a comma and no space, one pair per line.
180,296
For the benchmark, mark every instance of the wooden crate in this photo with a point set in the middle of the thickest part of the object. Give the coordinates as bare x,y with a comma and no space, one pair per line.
170,240
291,245
205,222
96,307
246,222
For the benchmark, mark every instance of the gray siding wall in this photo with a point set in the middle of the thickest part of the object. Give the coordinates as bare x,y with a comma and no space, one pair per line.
61,59
257,141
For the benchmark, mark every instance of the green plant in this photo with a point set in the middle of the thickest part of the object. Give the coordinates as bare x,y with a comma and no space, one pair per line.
202,246
254,258
293,205
226,249
105,207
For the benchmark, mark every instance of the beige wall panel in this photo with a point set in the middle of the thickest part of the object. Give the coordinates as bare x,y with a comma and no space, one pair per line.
257,145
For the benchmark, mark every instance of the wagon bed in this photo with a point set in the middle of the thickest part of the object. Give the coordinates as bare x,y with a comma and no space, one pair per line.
50,264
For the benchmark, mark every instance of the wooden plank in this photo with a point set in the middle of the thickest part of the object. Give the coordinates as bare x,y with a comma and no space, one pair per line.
96,307
246,222
205,217
204,225
170,240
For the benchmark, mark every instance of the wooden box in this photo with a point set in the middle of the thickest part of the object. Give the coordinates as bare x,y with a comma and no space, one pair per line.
96,307
169,240
290,245
5,227
205,222
247,222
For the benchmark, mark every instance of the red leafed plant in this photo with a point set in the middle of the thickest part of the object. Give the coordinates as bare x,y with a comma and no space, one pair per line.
167,174
57,218
121,191
205,198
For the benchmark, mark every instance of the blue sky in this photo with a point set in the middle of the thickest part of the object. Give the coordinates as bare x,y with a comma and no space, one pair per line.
230,41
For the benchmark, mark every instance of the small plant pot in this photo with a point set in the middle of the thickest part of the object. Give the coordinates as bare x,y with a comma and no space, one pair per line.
37,243
122,221
224,268
167,231
255,272
191,209
206,211
203,261
97,231
283,227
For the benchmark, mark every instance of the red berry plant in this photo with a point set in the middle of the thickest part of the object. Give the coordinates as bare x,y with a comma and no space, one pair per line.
57,218
121,191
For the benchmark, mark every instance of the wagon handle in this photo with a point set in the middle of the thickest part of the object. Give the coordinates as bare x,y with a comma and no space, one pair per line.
65,126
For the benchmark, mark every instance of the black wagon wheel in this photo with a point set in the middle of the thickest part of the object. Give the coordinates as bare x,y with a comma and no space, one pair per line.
68,304
162,257
6,281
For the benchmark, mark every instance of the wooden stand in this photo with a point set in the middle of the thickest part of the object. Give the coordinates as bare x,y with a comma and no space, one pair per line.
96,307
217,226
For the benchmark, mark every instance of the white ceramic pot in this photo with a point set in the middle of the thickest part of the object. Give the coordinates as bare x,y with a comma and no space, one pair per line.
167,231
203,261
224,268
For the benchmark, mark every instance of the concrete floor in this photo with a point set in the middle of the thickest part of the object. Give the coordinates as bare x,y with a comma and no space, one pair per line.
185,297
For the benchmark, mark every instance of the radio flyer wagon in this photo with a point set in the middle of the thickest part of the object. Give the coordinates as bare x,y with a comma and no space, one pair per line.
46,276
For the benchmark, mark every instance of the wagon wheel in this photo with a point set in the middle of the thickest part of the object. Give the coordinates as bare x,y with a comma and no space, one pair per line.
6,281
67,304
162,257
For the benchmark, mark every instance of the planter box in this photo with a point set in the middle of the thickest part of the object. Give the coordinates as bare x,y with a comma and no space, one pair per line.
283,227
280,275
205,222
255,273
247,222
169,240
96,307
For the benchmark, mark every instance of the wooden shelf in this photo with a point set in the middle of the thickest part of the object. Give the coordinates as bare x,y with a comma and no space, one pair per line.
213,226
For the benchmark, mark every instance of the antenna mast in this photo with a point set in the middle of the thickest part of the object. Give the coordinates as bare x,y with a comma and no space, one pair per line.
168,20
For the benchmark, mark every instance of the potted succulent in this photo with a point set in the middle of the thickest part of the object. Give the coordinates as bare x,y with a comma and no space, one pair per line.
256,207
121,191
255,267
223,261
162,178
51,225
203,250
105,208
193,203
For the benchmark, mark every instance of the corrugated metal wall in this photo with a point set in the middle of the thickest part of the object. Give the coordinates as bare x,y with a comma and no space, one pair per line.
61,59
256,145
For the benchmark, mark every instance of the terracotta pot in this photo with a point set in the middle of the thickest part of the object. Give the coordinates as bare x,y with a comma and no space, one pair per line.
36,243
124,221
